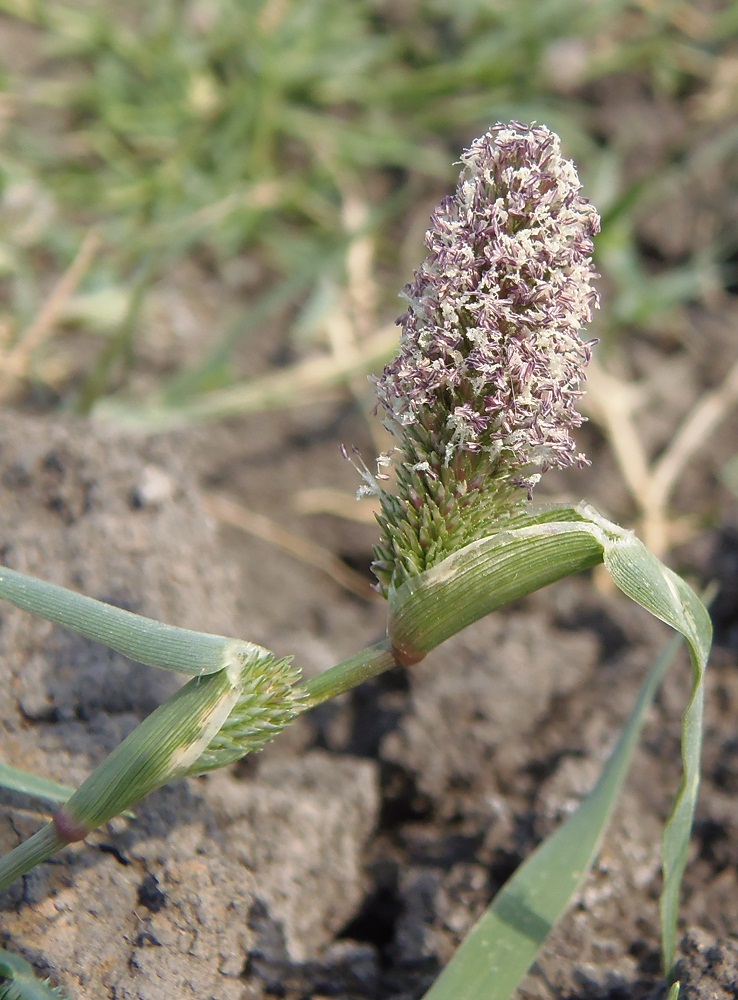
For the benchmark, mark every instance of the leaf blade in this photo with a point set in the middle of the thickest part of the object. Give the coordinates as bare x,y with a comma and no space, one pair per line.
16,780
651,588
502,946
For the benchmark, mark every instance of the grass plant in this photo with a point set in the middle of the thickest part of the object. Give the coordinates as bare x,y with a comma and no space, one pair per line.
481,401
291,149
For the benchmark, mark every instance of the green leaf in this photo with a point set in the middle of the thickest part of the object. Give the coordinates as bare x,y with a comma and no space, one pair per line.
501,947
641,576
142,639
16,780
533,551
160,749
26,783
21,982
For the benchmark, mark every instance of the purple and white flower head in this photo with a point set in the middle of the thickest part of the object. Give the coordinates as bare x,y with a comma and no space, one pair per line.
491,333
487,379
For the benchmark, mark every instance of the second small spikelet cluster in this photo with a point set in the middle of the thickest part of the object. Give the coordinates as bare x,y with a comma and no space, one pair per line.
270,698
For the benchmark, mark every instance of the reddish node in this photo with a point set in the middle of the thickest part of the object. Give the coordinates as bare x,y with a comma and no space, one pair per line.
69,829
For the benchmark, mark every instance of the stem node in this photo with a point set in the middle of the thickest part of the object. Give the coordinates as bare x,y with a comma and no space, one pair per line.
69,829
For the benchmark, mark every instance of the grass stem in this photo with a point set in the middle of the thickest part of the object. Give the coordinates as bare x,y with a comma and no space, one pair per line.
30,853
370,662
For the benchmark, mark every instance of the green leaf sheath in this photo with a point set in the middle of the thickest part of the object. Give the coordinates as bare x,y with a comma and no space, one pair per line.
142,639
161,748
486,575
210,721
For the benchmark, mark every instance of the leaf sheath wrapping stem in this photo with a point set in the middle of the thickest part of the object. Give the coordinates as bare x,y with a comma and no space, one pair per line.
210,721
160,749
430,608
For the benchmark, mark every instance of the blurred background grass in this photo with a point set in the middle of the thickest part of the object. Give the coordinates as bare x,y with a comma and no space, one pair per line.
250,180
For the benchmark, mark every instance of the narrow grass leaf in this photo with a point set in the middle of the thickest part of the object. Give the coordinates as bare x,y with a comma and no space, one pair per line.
533,551
503,944
142,639
16,780
641,576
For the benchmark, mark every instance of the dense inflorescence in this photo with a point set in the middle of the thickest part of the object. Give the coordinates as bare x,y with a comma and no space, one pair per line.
269,700
482,397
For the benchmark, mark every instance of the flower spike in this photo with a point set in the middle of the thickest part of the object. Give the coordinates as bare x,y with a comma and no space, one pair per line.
482,396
